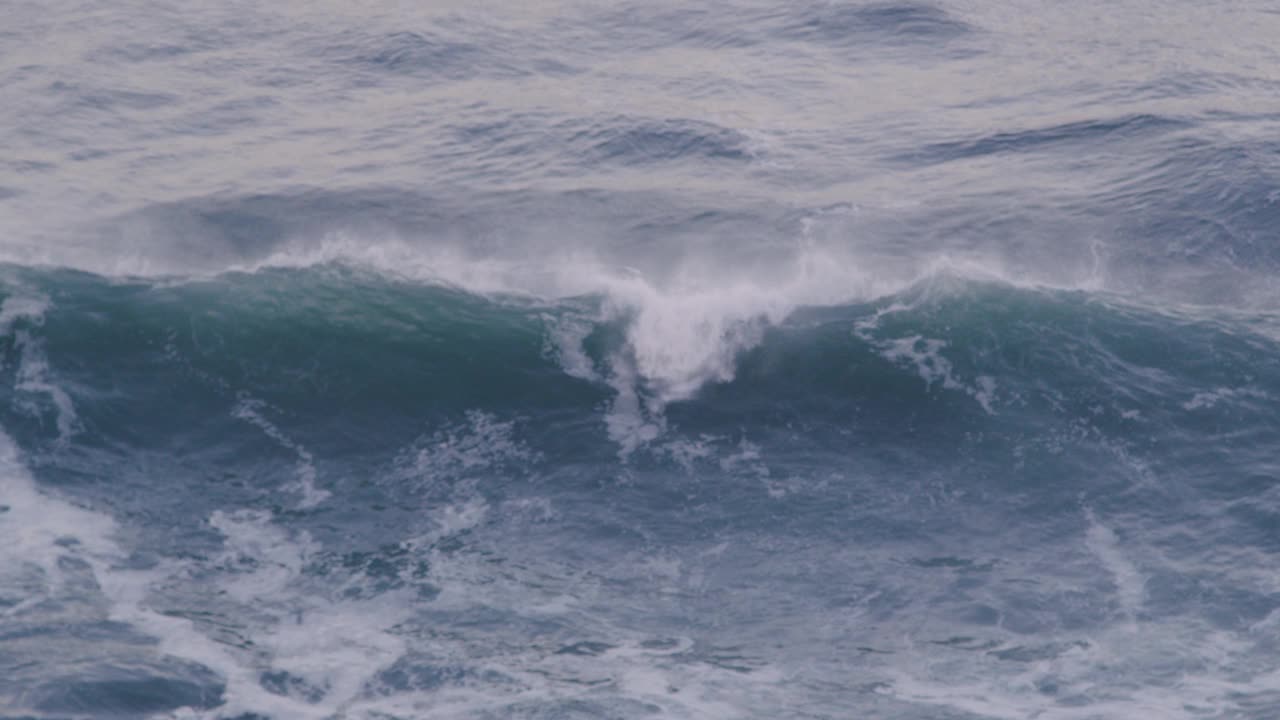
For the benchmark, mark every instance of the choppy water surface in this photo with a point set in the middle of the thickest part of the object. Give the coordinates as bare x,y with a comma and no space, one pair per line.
630,360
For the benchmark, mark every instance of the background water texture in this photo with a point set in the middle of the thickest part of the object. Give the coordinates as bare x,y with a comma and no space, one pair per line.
551,359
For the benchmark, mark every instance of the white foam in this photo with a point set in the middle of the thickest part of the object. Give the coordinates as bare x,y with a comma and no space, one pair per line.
22,307
331,649
925,355
567,336
250,410
40,531
453,519
1130,583
335,647
1104,676
1210,398
687,452
624,669
631,421
1181,665
480,443
34,376
679,341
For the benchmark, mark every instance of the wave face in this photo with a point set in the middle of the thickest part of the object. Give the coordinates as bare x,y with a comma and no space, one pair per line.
312,490
844,359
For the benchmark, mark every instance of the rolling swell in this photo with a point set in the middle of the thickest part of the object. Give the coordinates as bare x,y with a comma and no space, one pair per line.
328,336
330,394
293,382
841,24
1093,133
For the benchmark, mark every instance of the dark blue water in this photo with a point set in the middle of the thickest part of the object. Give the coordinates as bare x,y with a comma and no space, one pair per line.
640,360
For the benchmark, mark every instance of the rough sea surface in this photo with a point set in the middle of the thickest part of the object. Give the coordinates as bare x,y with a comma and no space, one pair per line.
569,360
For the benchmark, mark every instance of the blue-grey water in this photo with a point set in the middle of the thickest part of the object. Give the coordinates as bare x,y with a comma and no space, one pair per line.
810,359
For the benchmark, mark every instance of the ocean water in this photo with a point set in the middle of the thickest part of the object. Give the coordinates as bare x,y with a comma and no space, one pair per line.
558,360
